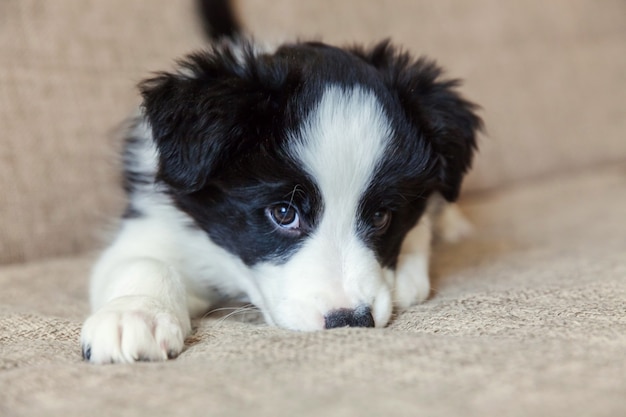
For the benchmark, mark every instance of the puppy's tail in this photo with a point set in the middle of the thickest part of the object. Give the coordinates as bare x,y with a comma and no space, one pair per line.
218,19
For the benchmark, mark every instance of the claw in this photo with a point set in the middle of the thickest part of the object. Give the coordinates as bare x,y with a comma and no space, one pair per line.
86,351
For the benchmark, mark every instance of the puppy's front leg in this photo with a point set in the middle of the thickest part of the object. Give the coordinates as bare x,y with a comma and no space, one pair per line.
447,222
140,311
412,282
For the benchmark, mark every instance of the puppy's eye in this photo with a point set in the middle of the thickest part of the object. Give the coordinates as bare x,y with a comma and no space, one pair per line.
380,220
284,215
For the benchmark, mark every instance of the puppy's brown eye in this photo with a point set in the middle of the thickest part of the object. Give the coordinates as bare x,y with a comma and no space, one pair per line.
381,220
284,215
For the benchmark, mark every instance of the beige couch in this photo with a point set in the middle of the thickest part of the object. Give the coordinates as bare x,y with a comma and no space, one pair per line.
528,316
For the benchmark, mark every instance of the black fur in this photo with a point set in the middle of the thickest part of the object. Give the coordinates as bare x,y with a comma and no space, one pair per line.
134,177
86,352
222,127
131,212
361,317
202,124
218,19
445,119
233,213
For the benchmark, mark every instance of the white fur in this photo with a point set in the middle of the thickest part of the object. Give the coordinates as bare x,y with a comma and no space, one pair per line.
451,225
156,273
339,145
412,284
159,271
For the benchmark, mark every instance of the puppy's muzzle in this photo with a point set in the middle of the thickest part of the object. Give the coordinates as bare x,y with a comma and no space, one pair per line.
345,317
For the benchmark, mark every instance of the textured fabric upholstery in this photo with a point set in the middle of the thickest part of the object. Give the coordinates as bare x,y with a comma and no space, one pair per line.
528,316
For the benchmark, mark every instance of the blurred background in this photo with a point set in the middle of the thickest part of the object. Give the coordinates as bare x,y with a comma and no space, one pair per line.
550,77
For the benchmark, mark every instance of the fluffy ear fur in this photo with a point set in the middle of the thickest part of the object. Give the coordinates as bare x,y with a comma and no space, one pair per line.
438,112
205,115
220,105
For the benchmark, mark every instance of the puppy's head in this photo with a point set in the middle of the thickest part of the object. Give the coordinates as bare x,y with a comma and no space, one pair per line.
310,164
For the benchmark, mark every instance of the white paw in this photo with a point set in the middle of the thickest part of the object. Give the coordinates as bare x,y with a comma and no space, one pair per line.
130,329
452,226
412,284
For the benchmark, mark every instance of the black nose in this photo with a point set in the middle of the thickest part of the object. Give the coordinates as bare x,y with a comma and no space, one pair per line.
345,317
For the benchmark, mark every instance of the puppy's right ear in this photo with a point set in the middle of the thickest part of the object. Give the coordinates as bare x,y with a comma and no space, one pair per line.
184,112
203,116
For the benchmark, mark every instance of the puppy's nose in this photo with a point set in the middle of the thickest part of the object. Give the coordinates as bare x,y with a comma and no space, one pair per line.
345,317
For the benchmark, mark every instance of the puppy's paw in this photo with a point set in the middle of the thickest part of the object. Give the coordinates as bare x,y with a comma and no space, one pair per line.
412,284
451,225
130,329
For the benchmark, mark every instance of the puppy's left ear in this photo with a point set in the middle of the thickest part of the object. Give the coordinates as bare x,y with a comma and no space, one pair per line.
437,111
447,120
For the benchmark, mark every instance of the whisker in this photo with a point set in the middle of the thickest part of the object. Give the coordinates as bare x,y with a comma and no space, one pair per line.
241,310
217,310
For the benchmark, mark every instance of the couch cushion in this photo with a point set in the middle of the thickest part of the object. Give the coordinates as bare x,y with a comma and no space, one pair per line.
528,318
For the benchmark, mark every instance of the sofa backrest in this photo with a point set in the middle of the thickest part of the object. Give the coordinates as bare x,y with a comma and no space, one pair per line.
68,71
549,75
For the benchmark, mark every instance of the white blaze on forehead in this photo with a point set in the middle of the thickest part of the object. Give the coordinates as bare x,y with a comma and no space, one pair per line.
340,145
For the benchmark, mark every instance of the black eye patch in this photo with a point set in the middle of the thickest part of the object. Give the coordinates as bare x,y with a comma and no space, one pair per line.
235,217
402,191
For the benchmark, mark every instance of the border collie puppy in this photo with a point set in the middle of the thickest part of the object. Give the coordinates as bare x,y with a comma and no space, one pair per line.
300,177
